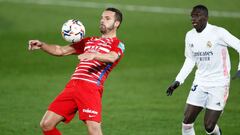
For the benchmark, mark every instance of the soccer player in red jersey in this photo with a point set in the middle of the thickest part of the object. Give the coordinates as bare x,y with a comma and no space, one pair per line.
83,93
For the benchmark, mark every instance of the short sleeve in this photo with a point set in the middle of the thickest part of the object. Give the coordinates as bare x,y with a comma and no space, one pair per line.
79,46
118,47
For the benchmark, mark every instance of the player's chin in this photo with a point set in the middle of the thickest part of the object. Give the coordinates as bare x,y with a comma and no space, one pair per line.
195,27
103,31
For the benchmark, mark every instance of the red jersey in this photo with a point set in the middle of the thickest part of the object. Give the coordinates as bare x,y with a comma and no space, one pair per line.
95,71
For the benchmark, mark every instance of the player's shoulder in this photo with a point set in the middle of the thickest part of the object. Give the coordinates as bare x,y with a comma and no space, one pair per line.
119,44
190,31
117,41
90,38
217,29
85,39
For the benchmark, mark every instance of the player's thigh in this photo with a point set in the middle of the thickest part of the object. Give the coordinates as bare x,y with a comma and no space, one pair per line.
191,113
64,104
89,102
211,117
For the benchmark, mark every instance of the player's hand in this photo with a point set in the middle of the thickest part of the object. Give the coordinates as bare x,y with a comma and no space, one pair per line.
34,44
86,56
172,87
237,75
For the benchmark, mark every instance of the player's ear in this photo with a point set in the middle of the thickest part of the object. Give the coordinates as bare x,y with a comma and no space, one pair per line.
116,24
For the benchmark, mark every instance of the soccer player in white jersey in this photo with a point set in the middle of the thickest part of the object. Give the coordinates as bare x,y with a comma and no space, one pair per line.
83,93
206,47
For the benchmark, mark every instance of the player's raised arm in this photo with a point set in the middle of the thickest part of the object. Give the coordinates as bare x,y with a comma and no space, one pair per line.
55,50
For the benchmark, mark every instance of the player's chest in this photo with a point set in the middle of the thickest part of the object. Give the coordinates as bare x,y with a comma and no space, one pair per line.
205,44
97,45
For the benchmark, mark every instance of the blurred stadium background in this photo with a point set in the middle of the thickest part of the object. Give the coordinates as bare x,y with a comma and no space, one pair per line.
134,101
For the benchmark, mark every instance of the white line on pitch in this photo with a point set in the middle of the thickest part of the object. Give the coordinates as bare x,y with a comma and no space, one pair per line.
147,9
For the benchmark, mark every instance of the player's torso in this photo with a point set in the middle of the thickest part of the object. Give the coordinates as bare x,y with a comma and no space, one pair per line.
210,54
100,45
92,70
206,49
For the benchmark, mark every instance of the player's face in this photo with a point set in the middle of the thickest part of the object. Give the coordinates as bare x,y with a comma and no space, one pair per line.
199,19
107,22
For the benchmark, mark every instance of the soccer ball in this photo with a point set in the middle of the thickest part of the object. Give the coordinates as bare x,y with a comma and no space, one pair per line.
73,31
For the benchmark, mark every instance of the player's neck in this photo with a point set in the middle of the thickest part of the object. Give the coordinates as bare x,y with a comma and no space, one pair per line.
110,34
201,28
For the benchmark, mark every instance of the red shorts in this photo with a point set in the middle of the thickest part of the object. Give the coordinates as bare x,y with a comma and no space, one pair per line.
81,96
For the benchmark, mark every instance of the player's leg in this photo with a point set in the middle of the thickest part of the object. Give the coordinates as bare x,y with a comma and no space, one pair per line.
210,122
217,97
195,103
88,99
49,123
63,108
94,128
190,115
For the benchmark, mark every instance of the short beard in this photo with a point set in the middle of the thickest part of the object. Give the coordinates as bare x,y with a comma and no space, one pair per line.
104,29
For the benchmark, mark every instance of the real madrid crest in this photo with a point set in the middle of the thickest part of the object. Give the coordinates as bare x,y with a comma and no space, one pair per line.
209,44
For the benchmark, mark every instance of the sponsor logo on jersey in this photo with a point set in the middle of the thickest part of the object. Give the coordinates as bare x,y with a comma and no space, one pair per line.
203,56
206,53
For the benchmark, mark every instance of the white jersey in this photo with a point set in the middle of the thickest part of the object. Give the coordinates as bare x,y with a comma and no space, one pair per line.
208,51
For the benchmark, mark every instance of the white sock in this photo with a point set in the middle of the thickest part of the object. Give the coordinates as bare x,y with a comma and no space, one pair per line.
216,131
188,129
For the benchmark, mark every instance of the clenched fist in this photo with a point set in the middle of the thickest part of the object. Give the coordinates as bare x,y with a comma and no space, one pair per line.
34,44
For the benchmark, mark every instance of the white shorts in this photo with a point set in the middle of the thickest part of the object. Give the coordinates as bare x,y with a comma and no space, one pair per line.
213,98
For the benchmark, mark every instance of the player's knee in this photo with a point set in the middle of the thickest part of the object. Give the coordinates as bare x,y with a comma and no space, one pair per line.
46,125
94,128
187,126
209,128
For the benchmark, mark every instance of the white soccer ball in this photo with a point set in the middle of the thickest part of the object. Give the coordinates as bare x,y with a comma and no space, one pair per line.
73,31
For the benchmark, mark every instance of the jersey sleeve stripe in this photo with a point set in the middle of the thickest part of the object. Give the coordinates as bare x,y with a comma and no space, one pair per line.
102,74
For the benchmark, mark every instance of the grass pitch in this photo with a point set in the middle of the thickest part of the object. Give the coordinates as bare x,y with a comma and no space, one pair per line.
134,101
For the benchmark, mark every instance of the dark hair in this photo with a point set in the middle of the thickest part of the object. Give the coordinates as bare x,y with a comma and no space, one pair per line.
202,8
118,14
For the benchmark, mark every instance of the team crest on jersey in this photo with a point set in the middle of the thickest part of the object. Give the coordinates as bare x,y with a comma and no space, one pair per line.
209,44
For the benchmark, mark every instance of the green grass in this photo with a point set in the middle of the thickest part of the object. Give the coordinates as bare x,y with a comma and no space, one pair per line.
134,101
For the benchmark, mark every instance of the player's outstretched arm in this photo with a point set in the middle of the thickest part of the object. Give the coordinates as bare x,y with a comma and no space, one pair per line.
110,57
237,75
172,87
55,50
